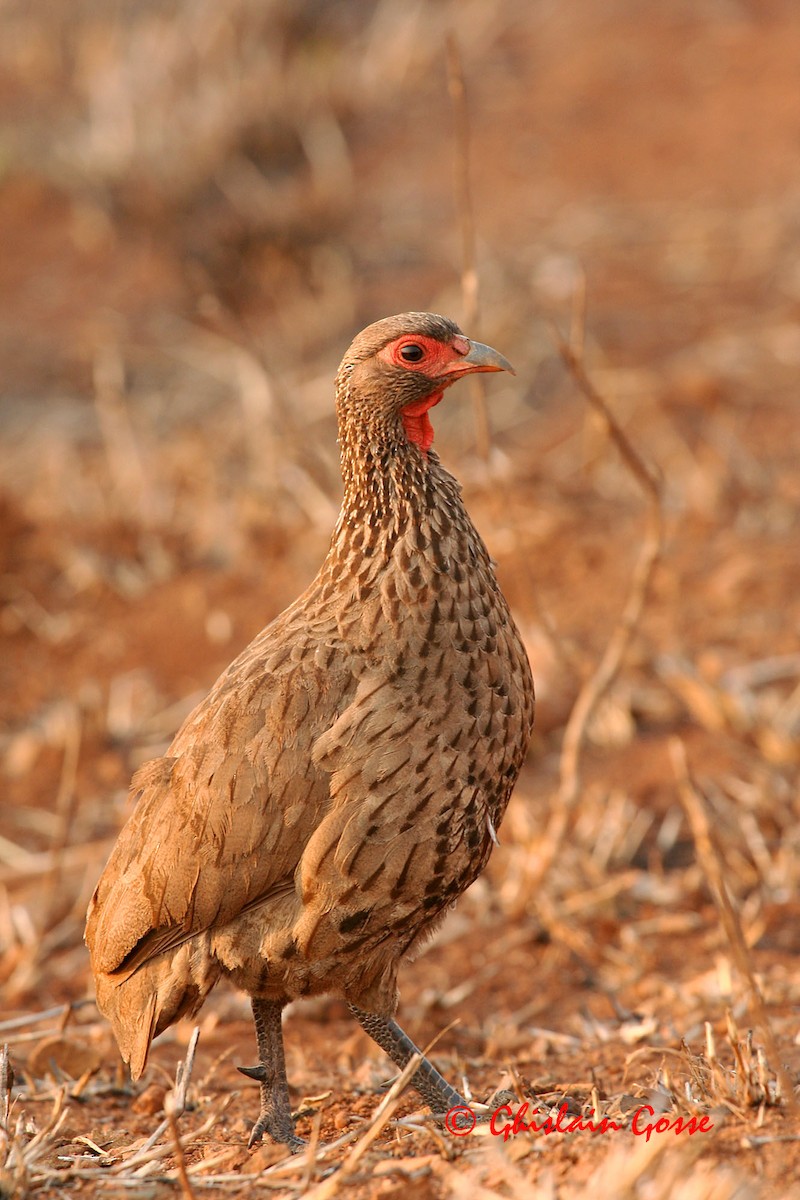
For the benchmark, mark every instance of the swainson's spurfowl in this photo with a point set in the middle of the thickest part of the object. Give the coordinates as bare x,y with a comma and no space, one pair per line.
320,811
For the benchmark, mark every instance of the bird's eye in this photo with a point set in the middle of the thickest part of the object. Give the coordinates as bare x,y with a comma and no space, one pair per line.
412,353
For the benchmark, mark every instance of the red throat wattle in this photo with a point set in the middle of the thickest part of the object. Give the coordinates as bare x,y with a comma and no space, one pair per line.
417,423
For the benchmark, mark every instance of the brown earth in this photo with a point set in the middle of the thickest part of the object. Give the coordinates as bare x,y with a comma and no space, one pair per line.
199,208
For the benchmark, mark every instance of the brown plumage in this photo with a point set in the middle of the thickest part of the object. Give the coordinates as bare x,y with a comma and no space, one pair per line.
341,785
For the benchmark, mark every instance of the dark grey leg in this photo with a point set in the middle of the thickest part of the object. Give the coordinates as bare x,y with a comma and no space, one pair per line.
434,1088
275,1117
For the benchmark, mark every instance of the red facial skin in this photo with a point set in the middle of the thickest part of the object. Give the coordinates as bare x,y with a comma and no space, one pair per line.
417,423
443,364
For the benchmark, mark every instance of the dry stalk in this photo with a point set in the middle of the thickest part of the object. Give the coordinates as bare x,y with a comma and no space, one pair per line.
311,1153
180,1158
466,220
152,1152
270,430
66,807
34,1018
577,329
595,687
174,1107
6,1084
287,1168
563,651
380,1118
183,1074
128,476
712,864
19,1158
41,863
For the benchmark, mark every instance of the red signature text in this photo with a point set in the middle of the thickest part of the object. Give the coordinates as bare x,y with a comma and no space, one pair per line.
507,1122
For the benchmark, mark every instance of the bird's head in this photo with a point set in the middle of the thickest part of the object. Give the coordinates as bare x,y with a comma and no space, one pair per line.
397,369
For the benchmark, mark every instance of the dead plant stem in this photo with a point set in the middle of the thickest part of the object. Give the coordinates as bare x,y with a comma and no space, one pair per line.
466,218
711,861
598,683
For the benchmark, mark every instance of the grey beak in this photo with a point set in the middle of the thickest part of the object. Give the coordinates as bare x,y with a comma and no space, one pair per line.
480,358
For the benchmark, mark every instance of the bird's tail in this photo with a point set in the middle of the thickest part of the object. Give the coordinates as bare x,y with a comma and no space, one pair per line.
141,1004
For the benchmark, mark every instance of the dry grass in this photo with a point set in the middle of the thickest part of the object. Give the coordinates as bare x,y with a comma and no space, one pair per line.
724,1087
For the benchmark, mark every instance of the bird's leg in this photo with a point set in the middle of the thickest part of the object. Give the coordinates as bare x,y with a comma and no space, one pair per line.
275,1117
434,1088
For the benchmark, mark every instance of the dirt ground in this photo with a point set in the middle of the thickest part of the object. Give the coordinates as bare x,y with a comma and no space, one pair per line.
200,205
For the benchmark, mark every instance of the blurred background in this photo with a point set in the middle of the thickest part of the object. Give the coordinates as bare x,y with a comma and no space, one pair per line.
200,205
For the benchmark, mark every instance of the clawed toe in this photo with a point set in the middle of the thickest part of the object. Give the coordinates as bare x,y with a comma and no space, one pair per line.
259,1073
278,1130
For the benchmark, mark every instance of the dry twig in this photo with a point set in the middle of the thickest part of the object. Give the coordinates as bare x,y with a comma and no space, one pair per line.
183,1074
711,861
66,807
171,1107
466,217
381,1117
6,1084
596,686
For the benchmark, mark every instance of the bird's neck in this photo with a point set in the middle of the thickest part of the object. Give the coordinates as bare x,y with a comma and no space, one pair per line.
387,482
403,518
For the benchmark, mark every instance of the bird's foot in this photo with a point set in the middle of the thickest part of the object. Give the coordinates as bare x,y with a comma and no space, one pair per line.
280,1128
275,1117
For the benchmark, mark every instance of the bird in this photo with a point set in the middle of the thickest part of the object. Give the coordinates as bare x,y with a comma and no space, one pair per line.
342,784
